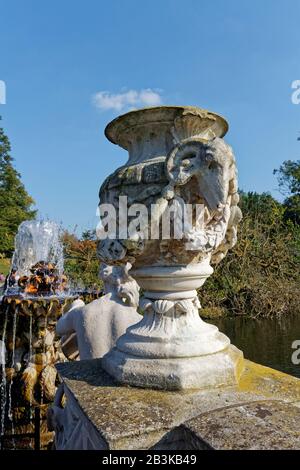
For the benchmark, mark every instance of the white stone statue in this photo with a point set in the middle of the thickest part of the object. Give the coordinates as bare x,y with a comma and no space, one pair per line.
177,159
99,324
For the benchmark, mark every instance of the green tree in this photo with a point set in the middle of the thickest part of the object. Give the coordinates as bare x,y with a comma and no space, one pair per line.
89,235
260,275
15,202
81,262
288,176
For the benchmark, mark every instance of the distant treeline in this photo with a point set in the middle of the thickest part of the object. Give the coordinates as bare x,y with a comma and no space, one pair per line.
15,202
81,262
261,274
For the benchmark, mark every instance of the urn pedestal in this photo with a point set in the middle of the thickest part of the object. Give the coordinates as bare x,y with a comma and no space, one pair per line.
172,348
183,174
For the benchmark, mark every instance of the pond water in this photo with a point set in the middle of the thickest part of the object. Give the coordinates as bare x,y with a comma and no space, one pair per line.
266,341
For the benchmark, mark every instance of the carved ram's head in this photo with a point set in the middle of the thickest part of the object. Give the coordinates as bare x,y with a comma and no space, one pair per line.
212,163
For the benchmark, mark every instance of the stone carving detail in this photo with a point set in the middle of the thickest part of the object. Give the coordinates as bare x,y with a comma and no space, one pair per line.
212,165
184,173
160,315
172,328
32,347
118,283
72,429
196,172
89,331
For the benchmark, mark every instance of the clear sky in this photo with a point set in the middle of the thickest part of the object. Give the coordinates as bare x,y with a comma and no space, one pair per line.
70,66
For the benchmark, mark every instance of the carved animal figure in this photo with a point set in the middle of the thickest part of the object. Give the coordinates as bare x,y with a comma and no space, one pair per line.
195,172
99,324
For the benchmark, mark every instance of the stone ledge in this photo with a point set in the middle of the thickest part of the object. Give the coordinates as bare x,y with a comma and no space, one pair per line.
258,425
124,417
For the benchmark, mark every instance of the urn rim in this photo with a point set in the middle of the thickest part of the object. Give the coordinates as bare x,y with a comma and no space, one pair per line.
121,124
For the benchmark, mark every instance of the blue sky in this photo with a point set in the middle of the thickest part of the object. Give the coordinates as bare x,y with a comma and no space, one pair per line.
238,58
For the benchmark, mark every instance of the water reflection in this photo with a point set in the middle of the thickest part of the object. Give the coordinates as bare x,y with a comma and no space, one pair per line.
266,341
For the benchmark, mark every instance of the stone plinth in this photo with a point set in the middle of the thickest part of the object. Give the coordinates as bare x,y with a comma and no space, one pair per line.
262,412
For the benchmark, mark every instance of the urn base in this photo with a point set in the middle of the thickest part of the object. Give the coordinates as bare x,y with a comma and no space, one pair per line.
201,372
172,348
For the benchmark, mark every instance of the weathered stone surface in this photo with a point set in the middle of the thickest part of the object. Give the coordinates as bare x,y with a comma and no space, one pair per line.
121,417
176,155
258,425
183,176
199,372
93,329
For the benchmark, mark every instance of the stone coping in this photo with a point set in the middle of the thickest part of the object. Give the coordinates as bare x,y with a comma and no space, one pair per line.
266,402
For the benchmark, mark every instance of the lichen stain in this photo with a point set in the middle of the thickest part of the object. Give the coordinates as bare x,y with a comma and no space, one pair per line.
269,382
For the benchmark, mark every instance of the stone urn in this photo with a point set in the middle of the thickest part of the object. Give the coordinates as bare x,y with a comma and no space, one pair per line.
174,216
